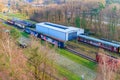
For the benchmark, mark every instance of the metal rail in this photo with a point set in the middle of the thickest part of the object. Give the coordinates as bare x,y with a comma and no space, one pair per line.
79,54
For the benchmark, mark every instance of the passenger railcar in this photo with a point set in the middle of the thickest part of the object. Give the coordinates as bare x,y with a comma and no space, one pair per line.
50,39
20,23
10,21
31,31
99,43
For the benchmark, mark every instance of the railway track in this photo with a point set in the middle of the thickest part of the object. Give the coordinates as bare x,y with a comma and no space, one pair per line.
79,54
71,50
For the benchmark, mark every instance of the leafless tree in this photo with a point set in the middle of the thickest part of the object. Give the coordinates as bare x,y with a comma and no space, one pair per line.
14,61
107,67
40,59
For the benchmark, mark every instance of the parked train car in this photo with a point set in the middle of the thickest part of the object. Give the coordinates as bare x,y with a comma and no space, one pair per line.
52,40
47,38
21,23
10,21
99,43
31,31
28,24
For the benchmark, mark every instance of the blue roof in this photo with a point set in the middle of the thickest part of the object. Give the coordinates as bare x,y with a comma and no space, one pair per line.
98,40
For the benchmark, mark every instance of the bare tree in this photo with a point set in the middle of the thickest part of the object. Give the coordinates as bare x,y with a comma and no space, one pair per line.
107,67
14,61
39,60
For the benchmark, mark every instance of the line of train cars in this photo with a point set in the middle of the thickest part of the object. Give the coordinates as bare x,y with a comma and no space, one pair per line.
114,47
59,34
20,23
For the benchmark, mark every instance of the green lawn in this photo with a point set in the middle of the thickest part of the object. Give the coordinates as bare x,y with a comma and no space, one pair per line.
77,59
25,34
67,74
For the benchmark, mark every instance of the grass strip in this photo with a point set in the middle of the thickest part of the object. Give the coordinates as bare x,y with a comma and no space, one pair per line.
67,74
25,34
77,59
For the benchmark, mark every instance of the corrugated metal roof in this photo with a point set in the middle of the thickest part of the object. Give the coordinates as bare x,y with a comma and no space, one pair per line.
57,27
98,40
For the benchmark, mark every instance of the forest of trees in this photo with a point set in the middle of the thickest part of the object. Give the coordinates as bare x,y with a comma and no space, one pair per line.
95,17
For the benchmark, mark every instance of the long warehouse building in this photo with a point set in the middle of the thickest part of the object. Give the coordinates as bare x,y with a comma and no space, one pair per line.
57,31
